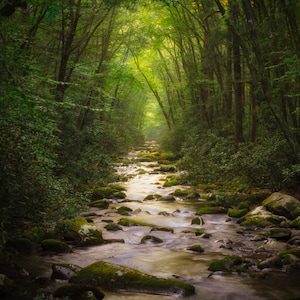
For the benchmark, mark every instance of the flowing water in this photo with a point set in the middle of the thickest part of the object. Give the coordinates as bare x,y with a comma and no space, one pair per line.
171,258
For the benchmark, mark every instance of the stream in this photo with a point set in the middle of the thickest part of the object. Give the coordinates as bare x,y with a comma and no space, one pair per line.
170,258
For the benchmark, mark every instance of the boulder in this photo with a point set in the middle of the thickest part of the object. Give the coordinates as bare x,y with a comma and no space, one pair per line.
64,271
273,262
115,277
261,217
283,205
151,239
279,233
78,291
80,232
56,246
196,248
232,263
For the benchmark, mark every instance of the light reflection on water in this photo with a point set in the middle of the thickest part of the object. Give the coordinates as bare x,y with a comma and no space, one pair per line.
171,257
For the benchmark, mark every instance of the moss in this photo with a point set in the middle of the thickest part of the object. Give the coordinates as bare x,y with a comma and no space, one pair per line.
166,169
114,277
294,251
113,227
171,182
231,263
295,223
103,192
237,213
75,291
132,222
256,222
104,204
163,229
211,210
151,238
119,195
150,197
196,248
168,155
52,245
181,193
123,210
207,187
38,233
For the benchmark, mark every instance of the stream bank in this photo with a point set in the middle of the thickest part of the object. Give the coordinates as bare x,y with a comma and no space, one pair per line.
174,221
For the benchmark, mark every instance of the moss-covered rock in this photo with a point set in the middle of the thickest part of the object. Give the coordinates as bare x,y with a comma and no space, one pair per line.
237,213
107,192
152,239
39,233
283,205
197,221
273,262
113,227
181,193
228,264
56,246
123,210
196,248
211,210
64,271
260,217
279,233
115,277
171,181
104,204
294,251
119,195
77,292
167,229
295,223
80,232
132,222
201,232
168,198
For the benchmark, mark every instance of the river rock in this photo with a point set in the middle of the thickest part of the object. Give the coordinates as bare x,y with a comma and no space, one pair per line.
56,246
271,246
115,277
80,232
78,291
283,205
279,233
261,217
196,248
273,262
152,239
64,271
295,223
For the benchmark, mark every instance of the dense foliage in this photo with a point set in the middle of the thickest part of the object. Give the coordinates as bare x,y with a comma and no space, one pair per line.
81,80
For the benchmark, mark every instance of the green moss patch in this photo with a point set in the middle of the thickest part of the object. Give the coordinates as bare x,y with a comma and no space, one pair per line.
232,263
104,204
152,239
52,245
181,193
196,248
115,277
133,222
211,210
237,213
294,251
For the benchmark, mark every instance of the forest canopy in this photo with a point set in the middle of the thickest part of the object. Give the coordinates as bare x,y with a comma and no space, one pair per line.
82,82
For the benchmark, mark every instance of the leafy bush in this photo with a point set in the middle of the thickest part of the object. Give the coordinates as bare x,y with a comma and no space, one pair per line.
264,164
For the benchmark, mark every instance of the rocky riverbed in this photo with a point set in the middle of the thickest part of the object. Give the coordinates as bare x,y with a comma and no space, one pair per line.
150,235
